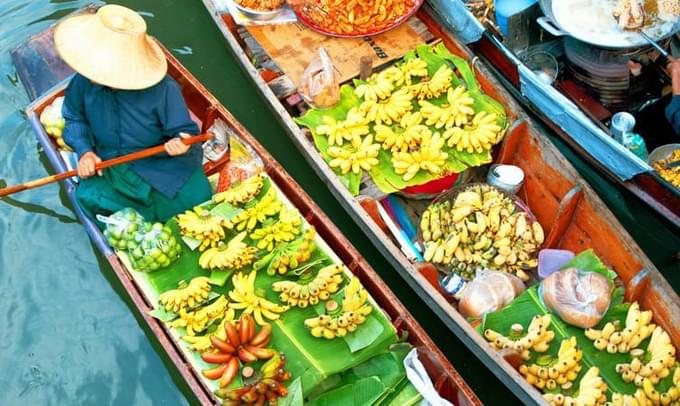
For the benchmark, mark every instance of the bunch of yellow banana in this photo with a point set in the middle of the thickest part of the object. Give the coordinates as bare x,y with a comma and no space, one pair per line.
481,229
408,135
187,295
198,320
639,398
638,327
268,206
390,110
234,255
592,391
661,355
377,87
455,113
414,67
352,128
560,372
285,229
199,224
428,157
325,283
481,135
203,343
244,298
654,397
241,193
537,338
434,87
363,156
672,175
340,322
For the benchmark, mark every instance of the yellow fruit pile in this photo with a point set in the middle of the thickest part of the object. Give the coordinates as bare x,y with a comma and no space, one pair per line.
244,298
241,193
481,229
560,372
291,256
362,156
390,110
233,255
325,283
672,175
592,390
435,87
479,136
340,322
197,321
351,129
638,327
187,295
285,229
428,157
455,113
201,225
537,338
661,354
268,206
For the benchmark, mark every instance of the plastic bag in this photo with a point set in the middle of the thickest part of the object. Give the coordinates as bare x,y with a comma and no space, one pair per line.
477,226
122,228
320,87
579,297
157,248
488,292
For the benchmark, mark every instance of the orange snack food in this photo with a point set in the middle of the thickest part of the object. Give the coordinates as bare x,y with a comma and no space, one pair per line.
349,17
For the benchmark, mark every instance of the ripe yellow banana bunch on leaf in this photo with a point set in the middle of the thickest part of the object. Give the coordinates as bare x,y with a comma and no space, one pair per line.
428,157
338,322
561,371
592,390
481,229
481,135
233,255
638,327
268,206
661,355
201,225
289,256
407,135
390,110
435,87
537,338
320,288
187,295
244,298
455,113
241,193
362,156
197,321
413,68
378,87
285,229
352,128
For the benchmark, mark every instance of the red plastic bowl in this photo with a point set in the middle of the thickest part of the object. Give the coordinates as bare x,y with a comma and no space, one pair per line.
304,19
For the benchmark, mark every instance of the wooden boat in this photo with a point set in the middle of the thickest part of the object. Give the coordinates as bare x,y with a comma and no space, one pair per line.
45,76
583,128
568,209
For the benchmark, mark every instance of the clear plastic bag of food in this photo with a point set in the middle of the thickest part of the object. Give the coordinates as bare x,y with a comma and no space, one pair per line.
580,298
319,85
488,292
122,228
156,248
477,226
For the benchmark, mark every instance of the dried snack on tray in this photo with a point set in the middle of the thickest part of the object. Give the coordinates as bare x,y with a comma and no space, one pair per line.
261,5
349,17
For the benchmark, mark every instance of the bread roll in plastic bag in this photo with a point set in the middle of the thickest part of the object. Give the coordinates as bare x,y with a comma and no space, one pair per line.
488,292
580,298
320,87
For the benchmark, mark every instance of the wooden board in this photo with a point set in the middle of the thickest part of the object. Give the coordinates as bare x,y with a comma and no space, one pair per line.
293,46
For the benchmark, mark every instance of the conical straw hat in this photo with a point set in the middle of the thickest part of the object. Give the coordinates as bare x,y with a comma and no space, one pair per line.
111,48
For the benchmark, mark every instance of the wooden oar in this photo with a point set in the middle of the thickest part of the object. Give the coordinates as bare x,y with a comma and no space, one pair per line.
102,165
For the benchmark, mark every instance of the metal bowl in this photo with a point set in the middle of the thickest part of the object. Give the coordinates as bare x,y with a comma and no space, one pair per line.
258,15
662,153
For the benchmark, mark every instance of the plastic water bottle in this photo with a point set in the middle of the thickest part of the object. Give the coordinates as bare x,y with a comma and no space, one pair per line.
507,8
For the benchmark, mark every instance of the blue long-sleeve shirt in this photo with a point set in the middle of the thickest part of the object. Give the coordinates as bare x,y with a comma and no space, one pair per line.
113,122
673,113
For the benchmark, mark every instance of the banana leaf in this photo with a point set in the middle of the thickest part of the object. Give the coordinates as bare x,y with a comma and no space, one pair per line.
530,304
405,395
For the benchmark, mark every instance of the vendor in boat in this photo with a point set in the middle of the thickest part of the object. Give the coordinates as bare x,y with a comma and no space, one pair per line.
673,109
121,101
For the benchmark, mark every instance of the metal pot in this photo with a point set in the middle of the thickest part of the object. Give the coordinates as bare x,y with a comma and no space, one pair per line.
618,40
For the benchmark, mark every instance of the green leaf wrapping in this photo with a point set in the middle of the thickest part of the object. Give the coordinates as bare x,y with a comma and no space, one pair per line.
383,174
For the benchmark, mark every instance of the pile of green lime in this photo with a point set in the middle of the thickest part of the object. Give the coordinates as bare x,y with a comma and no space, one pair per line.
157,248
122,229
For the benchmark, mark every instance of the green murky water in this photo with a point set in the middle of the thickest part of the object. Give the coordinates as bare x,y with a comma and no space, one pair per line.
68,333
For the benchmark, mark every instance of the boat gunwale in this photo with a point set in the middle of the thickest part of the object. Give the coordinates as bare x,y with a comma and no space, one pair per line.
454,321
400,317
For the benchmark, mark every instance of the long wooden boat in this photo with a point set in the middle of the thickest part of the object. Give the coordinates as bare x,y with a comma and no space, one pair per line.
45,76
582,118
568,209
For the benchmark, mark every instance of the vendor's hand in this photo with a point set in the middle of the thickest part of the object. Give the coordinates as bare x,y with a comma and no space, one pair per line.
86,165
674,71
176,147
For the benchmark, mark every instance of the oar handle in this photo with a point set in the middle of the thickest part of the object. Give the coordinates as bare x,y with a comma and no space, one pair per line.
102,165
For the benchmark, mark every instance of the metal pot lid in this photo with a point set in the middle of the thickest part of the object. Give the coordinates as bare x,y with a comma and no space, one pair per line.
593,22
